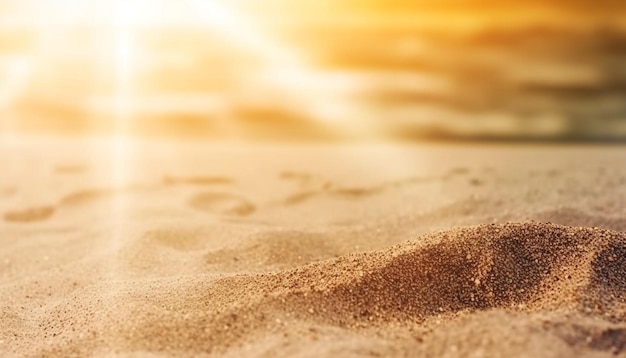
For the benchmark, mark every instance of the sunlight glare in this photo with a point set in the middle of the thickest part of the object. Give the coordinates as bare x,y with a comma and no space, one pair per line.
16,73
307,87
121,145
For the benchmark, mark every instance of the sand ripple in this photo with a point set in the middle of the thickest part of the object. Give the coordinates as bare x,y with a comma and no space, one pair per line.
556,289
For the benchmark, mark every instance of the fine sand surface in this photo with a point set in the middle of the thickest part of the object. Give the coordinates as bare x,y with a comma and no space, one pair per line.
311,250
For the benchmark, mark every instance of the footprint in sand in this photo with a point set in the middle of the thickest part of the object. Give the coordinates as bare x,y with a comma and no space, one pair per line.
84,196
29,215
221,203
312,186
299,197
41,213
309,185
104,193
331,190
355,192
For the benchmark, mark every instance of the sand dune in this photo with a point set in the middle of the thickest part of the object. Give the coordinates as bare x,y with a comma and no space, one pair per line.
403,262
562,288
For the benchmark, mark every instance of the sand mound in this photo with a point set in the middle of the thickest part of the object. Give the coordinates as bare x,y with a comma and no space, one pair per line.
534,266
561,288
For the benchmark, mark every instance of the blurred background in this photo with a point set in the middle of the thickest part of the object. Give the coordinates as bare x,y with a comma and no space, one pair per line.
532,70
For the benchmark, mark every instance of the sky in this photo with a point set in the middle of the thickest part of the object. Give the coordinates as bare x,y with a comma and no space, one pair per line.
547,70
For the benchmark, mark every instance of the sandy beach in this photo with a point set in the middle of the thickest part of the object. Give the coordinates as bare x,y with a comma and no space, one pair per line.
259,250
274,178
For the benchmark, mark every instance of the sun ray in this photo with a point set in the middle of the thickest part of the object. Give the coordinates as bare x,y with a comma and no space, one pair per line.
16,73
19,71
119,41
123,55
122,147
319,97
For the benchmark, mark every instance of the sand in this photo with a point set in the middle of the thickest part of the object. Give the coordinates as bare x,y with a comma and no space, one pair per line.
263,250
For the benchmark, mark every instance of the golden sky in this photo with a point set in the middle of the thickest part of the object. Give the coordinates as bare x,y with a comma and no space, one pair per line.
306,68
